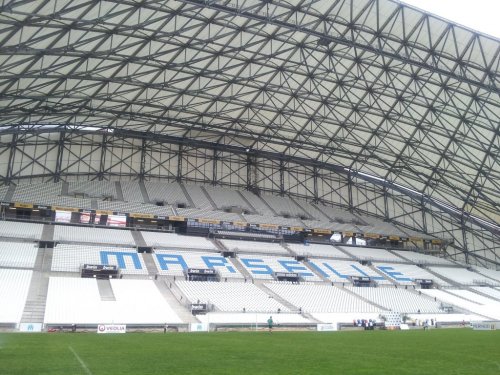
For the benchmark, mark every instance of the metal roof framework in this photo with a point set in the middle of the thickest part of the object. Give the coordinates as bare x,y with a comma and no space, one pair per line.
394,95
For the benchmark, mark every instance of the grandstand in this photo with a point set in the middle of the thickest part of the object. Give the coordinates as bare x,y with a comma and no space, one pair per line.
322,161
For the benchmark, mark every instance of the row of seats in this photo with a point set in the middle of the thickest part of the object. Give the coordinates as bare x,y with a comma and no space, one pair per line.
230,296
78,301
270,209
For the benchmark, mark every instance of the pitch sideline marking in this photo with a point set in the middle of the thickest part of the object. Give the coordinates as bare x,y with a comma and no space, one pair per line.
84,366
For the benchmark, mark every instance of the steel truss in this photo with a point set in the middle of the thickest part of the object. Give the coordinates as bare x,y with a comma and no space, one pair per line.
342,90
69,154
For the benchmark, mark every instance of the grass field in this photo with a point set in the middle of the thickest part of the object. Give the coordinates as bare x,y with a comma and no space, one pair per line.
446,351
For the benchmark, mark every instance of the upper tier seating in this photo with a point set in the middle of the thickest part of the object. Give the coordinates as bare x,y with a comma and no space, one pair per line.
321,298
93,189
18,254
311,210
136,207
37,193
283,206
371,254
173,263
339,271
492,274
226,198
230,296
263,267
461,275
132,192
68,233
339,215
173,240
3,192
419,258
207,213
257,203
166,192
23,231
399,300
198,197
492,292
318,250
14,286
269,219
77,301
474,297
254,247
69,258
405,274
490,310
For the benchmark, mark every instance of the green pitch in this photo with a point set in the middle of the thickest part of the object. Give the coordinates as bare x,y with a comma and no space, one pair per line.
446,351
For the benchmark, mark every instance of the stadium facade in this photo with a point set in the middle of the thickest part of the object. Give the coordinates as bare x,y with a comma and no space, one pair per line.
367,105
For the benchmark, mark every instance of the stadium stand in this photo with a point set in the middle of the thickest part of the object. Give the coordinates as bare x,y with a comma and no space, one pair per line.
492,274
70,257
14,286
371,254
77,234
254,247
17,254
235,297
173,263
490,311
340,271
321,298
78,301
25,231
93,189
461,276
132,192
172,240
264,267
283,206
171,193
406,274
318,250
258,204
227,198
399,300
424,259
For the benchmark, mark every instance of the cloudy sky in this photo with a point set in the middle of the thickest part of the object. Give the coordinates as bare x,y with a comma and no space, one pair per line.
481,15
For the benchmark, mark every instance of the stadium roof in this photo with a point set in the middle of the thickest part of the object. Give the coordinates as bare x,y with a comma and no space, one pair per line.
372,86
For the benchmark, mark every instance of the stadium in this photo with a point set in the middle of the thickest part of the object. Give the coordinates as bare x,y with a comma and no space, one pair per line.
209,165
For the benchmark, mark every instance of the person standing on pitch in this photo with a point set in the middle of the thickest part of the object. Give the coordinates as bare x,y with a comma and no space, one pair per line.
270,324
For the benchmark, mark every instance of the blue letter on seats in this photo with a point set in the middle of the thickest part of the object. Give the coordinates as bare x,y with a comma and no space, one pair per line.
120,258
165,259
217,261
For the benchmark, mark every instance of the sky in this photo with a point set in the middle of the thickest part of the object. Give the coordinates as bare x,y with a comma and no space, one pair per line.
480,15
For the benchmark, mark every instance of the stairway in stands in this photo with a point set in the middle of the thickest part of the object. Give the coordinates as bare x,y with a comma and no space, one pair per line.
34,309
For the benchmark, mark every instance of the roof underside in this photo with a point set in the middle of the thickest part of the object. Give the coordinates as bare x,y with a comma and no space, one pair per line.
370,85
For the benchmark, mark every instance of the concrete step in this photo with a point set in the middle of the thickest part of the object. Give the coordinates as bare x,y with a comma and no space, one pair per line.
284,302
144,192
105,290
150,264
179,308
48,232
139,240
119,192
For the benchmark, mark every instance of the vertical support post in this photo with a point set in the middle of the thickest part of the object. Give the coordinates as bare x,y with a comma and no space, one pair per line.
179,164
214,167
142,167
282,178
102,163
12,154
60,151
